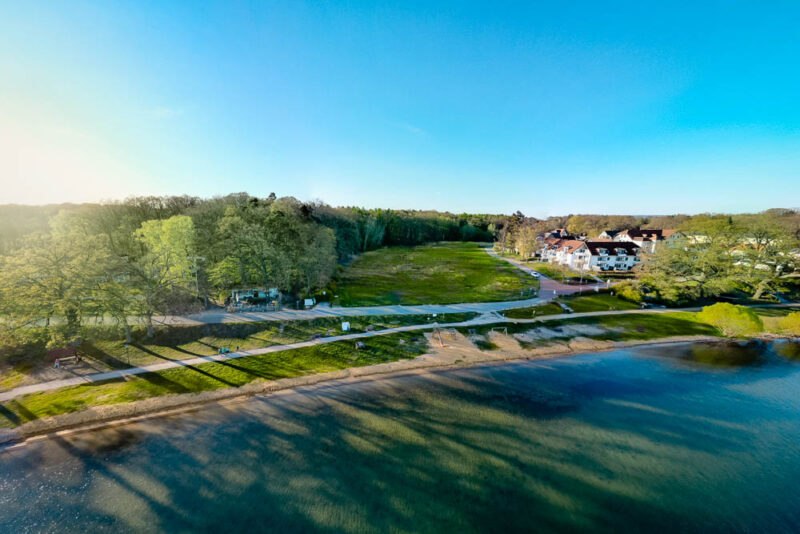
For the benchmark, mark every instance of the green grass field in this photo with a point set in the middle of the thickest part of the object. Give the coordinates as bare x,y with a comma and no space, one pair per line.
644,326
597,302
581,303
624,327
211,376
551,308
183,342
186,342
317,359
441,273
559,272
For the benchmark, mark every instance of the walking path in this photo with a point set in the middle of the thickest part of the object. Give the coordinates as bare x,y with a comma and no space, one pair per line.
324,310
549,289
487,318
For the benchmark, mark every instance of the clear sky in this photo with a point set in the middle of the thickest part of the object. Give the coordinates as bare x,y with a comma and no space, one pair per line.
546,107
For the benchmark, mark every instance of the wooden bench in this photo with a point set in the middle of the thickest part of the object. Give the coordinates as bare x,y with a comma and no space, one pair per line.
64,355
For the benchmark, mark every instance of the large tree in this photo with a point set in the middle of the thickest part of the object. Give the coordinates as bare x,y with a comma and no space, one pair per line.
164,273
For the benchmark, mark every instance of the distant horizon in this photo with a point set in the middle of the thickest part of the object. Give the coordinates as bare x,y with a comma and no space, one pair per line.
455,212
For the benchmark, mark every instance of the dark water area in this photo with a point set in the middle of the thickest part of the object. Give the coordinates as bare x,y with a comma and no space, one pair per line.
694,437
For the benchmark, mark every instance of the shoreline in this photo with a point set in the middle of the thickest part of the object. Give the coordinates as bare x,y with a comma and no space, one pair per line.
100,417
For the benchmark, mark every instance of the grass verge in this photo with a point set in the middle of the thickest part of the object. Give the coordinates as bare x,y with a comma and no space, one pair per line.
626,327
591,302
211,376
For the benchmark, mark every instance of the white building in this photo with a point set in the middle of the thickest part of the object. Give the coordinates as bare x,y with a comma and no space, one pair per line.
591,255
647,240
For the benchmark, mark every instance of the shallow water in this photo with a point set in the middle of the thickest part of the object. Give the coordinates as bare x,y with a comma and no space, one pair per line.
682,438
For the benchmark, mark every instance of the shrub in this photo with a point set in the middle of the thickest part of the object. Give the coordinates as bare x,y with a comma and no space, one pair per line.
790,324
629,291
732,320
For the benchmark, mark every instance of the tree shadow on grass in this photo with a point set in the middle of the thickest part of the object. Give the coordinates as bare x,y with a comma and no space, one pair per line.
156,379
185,366
99,355
9,415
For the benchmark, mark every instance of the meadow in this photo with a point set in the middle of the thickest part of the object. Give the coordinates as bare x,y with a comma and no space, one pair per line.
439,273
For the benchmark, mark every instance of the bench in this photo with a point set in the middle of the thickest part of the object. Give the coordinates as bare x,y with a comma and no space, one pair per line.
66,359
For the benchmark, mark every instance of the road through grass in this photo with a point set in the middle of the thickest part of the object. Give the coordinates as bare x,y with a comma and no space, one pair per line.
440,273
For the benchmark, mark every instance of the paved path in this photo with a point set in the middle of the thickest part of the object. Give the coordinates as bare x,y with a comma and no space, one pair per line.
199,360
549,288
488,318
322,310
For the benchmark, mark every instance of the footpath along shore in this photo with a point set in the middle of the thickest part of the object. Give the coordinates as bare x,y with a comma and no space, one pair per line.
119,414
199,360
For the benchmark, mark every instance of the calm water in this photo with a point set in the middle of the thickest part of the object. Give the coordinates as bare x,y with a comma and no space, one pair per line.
689,438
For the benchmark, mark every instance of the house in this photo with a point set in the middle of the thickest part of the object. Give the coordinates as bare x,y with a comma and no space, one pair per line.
591,255
558,233
646,239
612,255
567,252
608,235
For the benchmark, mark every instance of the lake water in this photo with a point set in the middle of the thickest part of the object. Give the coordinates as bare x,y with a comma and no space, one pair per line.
685,438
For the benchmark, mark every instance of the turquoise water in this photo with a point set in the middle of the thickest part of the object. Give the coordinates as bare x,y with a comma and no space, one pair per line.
686,438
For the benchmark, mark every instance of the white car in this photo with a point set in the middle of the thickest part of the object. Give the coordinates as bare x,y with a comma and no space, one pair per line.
535,274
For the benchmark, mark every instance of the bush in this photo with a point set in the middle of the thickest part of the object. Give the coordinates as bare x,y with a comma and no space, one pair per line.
790,324
733,321
629,291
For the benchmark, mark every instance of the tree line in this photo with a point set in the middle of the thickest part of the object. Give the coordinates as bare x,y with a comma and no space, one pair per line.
717,255
62,267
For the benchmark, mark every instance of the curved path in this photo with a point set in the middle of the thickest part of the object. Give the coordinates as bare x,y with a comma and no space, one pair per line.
324,310
549,289
489,318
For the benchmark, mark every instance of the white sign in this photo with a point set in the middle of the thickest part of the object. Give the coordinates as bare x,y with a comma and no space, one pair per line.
345,326
308,303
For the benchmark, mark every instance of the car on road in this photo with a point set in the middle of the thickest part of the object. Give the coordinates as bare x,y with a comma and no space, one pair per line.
535,274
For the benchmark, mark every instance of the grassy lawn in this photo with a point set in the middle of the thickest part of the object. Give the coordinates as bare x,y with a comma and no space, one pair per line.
548,269
441,273
324,358
579,304
530,312
186,342
559,272
180,343
644,326
211,376
623,327
597,302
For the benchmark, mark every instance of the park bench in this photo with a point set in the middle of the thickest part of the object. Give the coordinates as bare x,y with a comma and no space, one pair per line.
64,355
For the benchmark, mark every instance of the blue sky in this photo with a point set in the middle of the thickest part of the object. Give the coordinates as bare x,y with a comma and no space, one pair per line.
545,107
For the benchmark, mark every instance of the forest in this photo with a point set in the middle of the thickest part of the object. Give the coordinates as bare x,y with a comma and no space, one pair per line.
123,263
126,262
